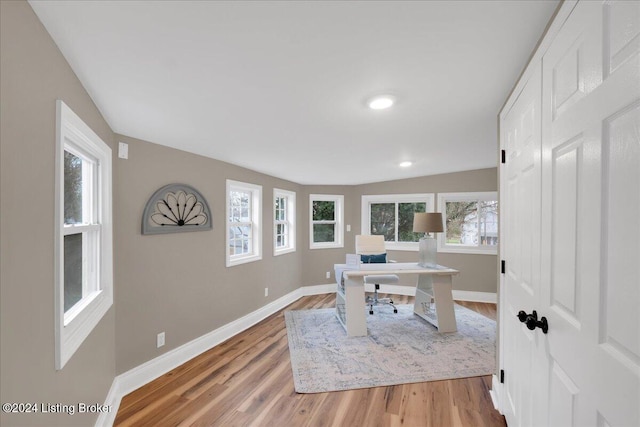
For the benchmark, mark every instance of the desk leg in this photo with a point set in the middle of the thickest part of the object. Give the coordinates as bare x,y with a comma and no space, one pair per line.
435,288
444,304
356,321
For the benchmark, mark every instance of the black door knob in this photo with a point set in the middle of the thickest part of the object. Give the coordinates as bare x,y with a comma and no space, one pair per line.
532,322
522,316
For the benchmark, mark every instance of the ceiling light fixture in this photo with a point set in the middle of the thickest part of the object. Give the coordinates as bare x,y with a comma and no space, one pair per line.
381,102
405,164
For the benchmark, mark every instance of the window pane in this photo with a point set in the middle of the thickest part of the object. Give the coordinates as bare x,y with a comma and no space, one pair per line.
281,235
72,270
383,220
405,221
462,223
323,233
324,210
281,204
489,223
72,189
240,202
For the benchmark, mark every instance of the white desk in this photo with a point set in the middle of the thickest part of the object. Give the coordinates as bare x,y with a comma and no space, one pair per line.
434,301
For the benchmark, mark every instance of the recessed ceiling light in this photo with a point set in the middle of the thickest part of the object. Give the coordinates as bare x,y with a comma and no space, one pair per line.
381,102
405,164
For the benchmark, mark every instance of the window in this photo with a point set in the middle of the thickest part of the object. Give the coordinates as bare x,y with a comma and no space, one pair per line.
284,221
391,215
327,218
244,218
471,222
84,242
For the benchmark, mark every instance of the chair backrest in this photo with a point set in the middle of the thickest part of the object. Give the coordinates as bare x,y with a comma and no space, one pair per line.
370,245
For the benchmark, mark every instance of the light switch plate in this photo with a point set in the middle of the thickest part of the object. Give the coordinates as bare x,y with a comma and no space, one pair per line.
123,150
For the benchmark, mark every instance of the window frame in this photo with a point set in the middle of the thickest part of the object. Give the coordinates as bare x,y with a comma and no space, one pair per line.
289,222
365,211
478,196
256,223
338,241
74,326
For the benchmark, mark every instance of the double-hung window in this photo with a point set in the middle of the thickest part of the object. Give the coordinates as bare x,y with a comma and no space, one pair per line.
84,254
326,221
284,221
471,222
244,222
391,216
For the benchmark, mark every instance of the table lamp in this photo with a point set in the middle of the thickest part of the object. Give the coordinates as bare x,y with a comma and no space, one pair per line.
427,222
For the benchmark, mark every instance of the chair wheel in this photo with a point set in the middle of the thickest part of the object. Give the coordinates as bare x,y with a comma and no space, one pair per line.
395,310
371,312
391,301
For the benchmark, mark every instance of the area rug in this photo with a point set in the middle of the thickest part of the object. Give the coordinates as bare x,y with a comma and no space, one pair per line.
401,348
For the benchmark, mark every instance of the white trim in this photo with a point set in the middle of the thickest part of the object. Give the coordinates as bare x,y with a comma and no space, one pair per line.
365,214
69,335
256,223
495,392
112,401
135,378
290,196
475,296
319,289
338,221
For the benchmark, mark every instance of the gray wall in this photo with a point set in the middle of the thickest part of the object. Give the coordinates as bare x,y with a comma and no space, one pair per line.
179,284
176,283
477,272
33,74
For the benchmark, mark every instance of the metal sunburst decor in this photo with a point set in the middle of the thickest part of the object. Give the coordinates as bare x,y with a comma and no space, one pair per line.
176,208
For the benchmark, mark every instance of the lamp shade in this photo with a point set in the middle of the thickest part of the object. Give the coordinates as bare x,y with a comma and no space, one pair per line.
427,222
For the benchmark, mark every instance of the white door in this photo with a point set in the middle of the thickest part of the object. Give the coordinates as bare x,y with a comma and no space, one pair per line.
591,216
520,247
585,259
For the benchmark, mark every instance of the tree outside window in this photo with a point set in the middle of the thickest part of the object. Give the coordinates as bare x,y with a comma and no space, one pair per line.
391,216
326,221
383,220
471,222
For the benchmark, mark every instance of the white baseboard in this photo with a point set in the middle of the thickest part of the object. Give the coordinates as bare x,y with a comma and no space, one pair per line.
318,289
135,378
473,296
495,391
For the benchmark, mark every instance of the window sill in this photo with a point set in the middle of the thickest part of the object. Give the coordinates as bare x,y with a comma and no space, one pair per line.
278,252
326,246
242,260
468,250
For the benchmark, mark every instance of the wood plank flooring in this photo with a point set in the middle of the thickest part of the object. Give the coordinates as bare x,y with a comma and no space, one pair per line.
247,381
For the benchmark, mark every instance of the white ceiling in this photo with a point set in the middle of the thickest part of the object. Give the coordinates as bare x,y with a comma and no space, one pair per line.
280,87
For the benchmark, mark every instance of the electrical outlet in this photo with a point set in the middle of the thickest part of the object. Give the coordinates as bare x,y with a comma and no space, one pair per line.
328,275
266,292
348,227
160,339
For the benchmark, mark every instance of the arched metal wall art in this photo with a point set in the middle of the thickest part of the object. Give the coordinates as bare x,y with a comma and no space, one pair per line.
176,208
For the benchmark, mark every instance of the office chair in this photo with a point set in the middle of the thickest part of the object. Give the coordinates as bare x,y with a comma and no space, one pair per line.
371,250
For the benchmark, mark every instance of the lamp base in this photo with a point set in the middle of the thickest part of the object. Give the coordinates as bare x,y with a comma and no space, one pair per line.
428,248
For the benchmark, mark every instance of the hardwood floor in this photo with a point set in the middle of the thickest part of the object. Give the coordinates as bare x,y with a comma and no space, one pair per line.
247,381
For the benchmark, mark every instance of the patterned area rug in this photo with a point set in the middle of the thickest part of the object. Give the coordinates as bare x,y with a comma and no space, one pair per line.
400,348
